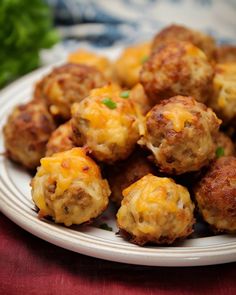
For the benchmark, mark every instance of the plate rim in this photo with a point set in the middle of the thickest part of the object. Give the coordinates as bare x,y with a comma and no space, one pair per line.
160,256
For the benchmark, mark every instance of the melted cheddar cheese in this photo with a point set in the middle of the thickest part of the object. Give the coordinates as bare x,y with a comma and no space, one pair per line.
68,166
178,115
69,180
194,51
152,207
111,123
107,128
157,190
129,64
89,58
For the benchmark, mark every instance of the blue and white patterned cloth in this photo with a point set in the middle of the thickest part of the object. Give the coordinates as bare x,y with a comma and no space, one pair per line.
115,23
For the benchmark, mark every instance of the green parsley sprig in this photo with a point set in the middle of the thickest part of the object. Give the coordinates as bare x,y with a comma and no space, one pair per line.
144,59
107,101
105,226
26,27
125,94
220,152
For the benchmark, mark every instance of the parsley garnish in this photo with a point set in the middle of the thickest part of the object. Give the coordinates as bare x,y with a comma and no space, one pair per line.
23,35
105,227
220,152
144,59
124,94
109,103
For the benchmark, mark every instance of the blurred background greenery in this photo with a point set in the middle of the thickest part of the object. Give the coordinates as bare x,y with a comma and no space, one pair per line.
26,27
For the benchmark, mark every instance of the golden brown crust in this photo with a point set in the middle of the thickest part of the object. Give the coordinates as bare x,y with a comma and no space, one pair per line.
216,195
223,100
181,132
61,140
149,239
224,143
226,54
26,133
67,84
124,173
180,33
177,68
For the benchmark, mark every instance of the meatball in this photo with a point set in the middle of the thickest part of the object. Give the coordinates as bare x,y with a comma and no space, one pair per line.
67,84
26,133
216,195
106,123
89,58
155,210
223,102
226,54
69,188
181,132
178,68
224,145
138,95
123,174
180,33
129,64
61,140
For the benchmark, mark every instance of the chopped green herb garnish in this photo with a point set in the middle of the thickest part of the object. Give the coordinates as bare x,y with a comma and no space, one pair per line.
144,59
105,227
125,94
109,103
220,152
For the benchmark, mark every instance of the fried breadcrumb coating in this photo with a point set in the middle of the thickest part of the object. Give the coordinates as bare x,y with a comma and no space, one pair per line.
178,68
216,195
67,84
181,133
180,33
26,133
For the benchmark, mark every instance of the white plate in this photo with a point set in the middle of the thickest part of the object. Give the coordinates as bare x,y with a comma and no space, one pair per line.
16,203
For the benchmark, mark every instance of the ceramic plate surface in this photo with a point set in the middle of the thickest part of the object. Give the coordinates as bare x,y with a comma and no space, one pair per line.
16,204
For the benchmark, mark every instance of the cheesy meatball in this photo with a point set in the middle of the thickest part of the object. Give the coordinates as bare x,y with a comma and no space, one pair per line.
61,140
26,133
106,123
180,33
216,195
223,102
128,65
226,54
68,187
67,84
178,68
155,210
224,145
89,58
181,132
123,174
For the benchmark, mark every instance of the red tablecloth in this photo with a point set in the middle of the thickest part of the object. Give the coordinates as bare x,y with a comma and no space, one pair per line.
29,265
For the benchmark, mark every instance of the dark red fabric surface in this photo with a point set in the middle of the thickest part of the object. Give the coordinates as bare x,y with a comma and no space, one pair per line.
29,265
